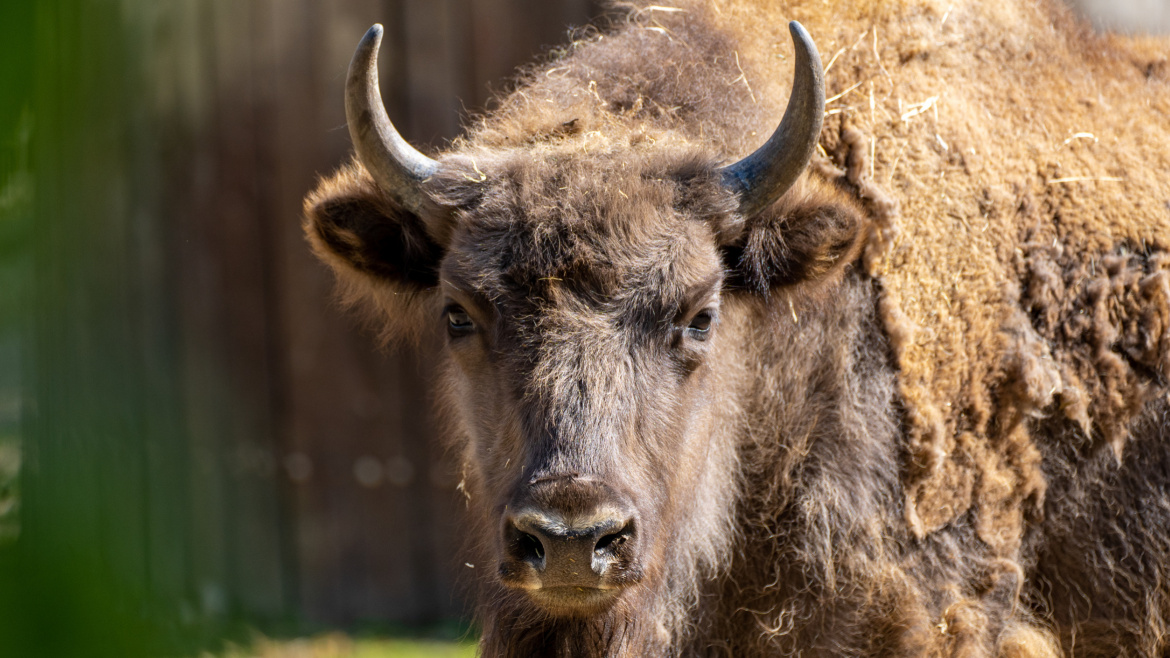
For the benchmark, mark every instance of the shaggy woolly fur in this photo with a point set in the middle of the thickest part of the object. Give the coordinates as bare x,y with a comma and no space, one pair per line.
932,416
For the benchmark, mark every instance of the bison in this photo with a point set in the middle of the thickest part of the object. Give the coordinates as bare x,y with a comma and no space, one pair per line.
890,379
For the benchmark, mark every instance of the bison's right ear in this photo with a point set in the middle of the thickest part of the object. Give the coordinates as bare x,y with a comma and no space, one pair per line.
808,236
789,235
380,252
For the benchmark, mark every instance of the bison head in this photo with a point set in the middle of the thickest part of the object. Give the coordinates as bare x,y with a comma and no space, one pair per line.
593,295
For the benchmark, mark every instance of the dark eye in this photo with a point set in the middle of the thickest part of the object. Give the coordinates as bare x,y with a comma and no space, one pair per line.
458,322
700,325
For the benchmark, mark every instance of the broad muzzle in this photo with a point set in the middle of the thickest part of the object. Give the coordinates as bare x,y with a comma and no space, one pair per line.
571,543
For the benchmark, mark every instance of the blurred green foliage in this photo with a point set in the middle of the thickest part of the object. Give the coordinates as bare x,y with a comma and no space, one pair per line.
71,582
16,193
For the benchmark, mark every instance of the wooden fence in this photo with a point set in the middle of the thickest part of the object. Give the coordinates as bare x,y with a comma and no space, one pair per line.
195,404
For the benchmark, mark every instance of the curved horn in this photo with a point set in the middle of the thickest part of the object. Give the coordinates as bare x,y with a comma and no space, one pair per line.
765,175
396,166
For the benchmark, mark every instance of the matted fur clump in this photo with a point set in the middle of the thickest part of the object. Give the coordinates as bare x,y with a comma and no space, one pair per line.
1028,157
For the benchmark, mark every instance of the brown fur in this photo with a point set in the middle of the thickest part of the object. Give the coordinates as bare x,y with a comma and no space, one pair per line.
931,418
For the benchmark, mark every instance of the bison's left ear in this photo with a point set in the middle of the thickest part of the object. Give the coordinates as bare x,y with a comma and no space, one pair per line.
808,235
374,221
380,252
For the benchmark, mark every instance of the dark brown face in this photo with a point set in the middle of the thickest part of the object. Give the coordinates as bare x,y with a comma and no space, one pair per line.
591,309
578,347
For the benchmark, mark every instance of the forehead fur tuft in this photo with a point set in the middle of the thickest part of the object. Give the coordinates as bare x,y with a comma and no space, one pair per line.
625,218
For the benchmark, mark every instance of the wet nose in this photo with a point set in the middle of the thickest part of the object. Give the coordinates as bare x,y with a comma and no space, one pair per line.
570,551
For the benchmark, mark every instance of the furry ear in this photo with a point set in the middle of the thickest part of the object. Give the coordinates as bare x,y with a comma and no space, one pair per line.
380,253
808,235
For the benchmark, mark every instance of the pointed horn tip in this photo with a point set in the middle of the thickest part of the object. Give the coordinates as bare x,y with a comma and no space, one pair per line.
372,38
803,39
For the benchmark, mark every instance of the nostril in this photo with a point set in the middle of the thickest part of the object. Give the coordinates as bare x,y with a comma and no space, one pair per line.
608,552
523,541
609,541
613,541
529,548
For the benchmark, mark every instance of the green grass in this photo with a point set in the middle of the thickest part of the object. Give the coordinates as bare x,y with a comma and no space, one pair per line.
337,645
